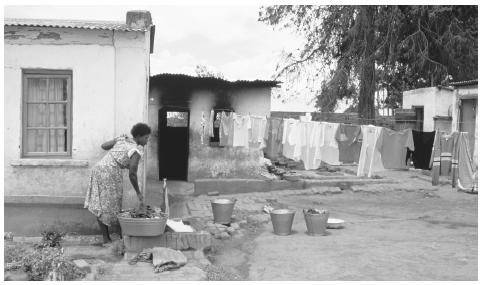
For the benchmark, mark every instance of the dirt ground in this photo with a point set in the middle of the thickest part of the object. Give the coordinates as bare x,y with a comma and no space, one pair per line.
394,235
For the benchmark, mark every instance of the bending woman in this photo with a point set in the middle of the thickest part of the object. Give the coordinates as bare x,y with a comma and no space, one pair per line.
104,195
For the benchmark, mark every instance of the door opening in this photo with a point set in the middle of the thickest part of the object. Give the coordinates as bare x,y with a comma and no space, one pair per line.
173,144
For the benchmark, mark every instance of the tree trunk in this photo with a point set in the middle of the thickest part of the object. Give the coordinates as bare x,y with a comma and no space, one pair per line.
367,84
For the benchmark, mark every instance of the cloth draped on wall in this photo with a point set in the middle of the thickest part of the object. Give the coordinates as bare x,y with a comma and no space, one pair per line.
394,147
349,139
423,146
370,159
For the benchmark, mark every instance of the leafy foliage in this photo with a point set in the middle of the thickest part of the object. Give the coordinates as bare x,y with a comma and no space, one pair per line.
368,48
50,238
40,263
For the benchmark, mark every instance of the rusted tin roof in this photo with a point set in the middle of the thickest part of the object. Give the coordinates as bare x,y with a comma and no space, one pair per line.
75,24
194,82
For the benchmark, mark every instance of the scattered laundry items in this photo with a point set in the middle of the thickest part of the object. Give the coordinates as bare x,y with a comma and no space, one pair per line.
349,139
370,157
423,145
394,146
163,259
136,213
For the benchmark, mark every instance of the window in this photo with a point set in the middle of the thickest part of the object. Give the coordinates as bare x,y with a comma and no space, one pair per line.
47,113
177,119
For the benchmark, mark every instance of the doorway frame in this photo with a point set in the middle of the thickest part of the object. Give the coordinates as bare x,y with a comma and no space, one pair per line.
162,124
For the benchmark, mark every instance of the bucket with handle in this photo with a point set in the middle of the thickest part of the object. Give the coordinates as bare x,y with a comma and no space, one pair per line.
222,210
282,220
316,221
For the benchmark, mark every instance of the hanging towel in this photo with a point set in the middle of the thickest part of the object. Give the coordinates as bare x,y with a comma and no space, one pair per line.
210,124
274,137
423,146
465,172
329,152
370,159
394,148
289,137
349,139
241,126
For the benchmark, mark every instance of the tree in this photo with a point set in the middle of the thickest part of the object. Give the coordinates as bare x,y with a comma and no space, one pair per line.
390,47
203,71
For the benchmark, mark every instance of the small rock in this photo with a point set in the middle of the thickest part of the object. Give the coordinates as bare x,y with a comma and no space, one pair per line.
225,235
82,265
230,230
243,223
217,235
235,226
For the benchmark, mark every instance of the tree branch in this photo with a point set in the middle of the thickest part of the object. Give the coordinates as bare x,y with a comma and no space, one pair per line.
297,62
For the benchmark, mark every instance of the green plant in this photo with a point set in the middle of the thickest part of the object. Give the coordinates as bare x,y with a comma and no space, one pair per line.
50,238
40,263
13,255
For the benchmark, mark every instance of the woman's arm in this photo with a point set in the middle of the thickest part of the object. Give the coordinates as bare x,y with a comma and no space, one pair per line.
133,174
109,144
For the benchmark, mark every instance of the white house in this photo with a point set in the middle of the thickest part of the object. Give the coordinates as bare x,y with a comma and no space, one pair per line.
69,86
447,108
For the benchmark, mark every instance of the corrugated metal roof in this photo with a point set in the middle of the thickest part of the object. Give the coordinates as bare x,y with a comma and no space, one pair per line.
75,24
184,80
464,83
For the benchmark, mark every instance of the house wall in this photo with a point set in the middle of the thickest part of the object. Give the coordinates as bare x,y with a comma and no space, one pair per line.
436,102
110,71
206,161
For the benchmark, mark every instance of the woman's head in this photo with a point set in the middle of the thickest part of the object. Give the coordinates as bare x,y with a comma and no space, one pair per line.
140,132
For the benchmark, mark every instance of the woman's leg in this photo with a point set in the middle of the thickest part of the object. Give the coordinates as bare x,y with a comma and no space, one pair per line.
104,231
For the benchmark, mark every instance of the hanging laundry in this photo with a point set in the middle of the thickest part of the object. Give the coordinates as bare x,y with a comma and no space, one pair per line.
290,137
226,129
211,133
329,152
241,126
257,131
394,148
299,140
370,159
349,139
274,137
203,125
444,150
423,145
312,143
465,171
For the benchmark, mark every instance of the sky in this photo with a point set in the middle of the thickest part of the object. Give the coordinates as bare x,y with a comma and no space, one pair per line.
226,39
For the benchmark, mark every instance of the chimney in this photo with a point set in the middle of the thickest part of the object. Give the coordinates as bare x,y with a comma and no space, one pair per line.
139,19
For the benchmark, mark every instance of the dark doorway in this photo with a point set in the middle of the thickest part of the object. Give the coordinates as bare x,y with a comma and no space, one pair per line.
173,144
419,110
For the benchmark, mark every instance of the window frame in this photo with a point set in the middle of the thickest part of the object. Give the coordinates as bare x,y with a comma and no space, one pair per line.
46,73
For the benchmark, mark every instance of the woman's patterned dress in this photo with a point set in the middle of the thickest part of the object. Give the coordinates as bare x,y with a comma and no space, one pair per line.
104,194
